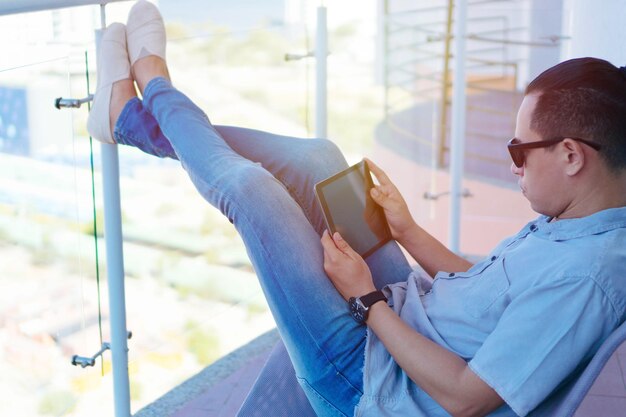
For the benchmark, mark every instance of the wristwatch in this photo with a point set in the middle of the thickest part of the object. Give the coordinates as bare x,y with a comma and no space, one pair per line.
360,306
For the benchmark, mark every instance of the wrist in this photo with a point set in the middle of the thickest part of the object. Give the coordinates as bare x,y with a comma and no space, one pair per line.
409,234
375,311
360,306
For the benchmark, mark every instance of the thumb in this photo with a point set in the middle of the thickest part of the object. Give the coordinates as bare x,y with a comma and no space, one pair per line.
377,195
341,244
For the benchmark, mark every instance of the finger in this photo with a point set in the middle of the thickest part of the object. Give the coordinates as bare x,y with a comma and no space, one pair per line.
378,173
387,189
330,248
342,245
380,194
377,195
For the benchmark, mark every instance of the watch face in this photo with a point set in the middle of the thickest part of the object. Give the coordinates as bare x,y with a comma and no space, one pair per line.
358,312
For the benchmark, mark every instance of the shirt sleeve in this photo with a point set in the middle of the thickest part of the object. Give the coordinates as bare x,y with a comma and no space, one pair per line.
542,337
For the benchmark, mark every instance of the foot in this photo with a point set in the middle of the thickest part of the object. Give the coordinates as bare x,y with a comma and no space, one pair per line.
113,80
145,35
147,68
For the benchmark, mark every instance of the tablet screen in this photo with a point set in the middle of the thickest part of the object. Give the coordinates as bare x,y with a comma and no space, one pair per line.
349,209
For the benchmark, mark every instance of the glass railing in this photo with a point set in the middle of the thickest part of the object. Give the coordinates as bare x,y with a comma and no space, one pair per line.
191,293
507,44
50,307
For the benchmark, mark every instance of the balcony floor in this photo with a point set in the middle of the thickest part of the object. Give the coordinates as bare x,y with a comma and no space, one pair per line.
225,398
607,397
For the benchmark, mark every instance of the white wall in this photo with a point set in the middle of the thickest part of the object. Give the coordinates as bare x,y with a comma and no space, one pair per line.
545,22
597,28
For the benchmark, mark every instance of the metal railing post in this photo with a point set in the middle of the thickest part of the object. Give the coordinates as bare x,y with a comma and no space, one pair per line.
385,56
457,142
445,87
321,55
115,269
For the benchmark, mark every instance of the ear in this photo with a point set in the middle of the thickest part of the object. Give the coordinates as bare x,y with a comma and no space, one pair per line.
574,156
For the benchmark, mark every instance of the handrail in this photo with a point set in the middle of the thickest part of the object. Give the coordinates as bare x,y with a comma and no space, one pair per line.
24,6
510,42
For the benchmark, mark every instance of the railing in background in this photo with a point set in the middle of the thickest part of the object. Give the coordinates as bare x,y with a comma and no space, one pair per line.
423,32
420,111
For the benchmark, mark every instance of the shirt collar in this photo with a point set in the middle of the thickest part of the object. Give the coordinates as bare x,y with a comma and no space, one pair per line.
566,229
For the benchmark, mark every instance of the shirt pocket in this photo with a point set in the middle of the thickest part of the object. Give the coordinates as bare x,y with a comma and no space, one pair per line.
486,289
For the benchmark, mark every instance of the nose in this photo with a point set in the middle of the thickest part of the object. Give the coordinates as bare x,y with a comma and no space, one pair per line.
516,170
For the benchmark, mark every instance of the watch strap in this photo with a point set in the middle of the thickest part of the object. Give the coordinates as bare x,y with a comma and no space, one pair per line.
370,299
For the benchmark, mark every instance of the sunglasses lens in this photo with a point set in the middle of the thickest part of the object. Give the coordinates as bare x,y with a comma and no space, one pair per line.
517,155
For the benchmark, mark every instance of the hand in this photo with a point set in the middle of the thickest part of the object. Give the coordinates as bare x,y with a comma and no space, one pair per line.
389,198
346,269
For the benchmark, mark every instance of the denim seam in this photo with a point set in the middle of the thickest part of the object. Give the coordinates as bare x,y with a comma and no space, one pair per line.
295,194
123,134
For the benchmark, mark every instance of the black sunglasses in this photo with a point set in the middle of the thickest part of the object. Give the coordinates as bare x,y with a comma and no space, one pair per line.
517,148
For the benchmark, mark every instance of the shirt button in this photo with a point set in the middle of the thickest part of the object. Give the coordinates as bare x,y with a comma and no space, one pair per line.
451,274
533,227
493,258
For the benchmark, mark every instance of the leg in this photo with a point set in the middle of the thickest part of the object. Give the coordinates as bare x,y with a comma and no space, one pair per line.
297,163
324,342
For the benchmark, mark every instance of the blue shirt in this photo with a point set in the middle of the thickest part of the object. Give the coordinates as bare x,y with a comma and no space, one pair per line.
525,318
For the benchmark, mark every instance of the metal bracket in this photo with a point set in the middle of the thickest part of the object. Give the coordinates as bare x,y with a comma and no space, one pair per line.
297,57
85,361
75,103
435,196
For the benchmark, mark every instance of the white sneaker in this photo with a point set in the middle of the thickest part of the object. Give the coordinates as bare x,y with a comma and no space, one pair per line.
145,31
113,65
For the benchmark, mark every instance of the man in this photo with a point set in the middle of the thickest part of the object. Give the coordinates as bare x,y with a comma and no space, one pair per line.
569,153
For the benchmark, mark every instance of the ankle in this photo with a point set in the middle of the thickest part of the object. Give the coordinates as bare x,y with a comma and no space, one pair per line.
148,68
122,91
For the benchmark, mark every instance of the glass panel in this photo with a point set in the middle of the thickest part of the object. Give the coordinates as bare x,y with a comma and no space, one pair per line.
191,293
49,305
509,43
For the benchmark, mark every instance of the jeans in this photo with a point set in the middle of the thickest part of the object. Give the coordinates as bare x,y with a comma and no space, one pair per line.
263,183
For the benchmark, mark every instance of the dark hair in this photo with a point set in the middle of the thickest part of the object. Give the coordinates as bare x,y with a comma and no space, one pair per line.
586,98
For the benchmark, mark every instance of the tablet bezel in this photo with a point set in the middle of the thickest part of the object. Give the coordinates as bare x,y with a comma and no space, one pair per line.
321,198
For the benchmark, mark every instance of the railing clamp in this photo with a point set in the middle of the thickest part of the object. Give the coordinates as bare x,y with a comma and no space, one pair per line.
297,57
85,361
75,103
435,196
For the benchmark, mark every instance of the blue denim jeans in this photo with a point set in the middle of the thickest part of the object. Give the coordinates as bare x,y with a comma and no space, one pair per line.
263,183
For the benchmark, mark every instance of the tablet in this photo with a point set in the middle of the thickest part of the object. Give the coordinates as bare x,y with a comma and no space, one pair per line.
350,210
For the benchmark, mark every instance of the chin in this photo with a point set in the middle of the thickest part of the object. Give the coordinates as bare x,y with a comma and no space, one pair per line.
544,211
538,208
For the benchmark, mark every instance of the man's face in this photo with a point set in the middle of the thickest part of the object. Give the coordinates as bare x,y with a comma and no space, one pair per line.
541,178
